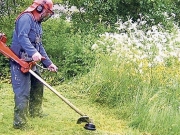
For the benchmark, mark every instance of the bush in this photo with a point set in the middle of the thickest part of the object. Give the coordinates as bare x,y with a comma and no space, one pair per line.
108,12
9,10
69,51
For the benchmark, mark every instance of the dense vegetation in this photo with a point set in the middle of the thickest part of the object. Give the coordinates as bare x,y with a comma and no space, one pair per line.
109,11
123,53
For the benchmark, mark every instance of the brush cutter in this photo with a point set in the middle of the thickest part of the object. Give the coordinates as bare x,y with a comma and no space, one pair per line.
26,67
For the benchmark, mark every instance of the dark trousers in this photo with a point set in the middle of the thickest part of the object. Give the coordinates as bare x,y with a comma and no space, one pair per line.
28,94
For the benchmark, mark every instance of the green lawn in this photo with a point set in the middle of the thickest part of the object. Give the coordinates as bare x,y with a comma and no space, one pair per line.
62,119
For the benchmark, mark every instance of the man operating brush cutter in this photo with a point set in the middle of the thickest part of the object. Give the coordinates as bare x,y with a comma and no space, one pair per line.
26,67
27,44
27,49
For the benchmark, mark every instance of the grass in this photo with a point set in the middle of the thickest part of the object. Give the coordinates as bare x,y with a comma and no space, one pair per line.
61,119
149,100
137,72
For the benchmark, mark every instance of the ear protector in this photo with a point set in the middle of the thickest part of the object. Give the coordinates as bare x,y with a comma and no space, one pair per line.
40,7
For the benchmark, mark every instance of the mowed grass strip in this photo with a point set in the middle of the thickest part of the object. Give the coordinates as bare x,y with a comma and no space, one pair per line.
61,119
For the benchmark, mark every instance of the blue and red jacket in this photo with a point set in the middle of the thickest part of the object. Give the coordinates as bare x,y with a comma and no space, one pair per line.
27,37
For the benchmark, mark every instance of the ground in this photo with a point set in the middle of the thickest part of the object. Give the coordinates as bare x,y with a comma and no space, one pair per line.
61,119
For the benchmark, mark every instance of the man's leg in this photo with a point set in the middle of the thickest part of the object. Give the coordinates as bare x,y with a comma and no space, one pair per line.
21,88
36,97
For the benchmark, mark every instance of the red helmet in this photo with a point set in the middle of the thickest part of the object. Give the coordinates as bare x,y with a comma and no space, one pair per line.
40,5
47,4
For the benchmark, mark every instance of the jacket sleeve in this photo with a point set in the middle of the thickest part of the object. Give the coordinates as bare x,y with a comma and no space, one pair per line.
23,26
47,62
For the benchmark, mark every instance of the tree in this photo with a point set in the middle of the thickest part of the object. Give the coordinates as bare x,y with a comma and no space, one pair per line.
9,8
108,11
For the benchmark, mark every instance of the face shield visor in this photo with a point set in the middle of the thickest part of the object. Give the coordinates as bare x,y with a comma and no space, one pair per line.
46,15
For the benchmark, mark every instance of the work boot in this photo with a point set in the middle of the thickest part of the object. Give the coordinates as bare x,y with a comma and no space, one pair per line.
20,116
22,126
40,115
18,126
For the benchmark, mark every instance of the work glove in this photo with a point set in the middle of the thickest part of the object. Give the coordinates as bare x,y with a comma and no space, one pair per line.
52,68
37,56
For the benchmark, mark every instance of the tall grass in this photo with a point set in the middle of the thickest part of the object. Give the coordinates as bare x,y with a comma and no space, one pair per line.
137,73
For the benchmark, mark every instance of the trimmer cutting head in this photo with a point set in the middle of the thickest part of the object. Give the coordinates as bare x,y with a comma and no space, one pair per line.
83,119
89,125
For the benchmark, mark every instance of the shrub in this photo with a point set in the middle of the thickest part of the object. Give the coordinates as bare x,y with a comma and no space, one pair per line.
8,13
108,12
69,51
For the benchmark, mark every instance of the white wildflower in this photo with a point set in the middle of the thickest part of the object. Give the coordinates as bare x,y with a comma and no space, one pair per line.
165,14
149,65
173,15
94,47
154,28
158,59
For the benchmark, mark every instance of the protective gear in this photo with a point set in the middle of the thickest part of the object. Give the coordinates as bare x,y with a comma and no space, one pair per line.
43,7
45,16
40,6
53,68
37,56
